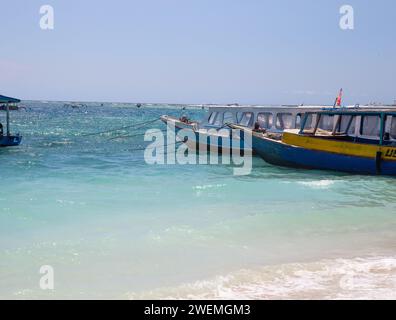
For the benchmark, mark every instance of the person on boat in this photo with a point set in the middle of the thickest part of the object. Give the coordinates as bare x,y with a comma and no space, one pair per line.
1,130
184,119
258,129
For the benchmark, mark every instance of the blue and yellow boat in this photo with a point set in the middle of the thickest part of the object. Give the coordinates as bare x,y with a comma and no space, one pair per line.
356,141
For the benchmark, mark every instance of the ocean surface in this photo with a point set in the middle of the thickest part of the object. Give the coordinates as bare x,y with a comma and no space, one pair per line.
113,226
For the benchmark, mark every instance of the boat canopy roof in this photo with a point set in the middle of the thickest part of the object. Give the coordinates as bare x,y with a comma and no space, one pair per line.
355,111
253,107
315,108
4,99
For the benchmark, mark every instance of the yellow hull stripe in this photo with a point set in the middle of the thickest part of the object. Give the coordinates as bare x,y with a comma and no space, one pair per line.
340,147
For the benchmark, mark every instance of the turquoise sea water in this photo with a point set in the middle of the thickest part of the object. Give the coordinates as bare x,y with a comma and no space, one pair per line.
113,226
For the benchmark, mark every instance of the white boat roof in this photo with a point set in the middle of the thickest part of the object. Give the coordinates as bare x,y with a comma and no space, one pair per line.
257,107
268,106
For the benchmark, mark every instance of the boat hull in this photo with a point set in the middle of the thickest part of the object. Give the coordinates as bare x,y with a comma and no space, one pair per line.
10,141
282,154
177,123
212,143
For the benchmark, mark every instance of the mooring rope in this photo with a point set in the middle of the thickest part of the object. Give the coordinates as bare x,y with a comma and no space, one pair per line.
165,147
135,126
131,135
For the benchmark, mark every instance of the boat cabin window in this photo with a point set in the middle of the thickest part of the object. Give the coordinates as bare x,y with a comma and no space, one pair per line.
370,126
326,122
245,119
309,122
265,119
347,124
390,128
393,128
228,118
299,118
215,119
284,121
212,117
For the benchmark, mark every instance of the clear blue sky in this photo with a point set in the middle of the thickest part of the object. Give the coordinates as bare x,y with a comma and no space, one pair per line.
199,51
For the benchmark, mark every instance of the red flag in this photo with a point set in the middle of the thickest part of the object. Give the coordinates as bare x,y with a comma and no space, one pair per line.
339,99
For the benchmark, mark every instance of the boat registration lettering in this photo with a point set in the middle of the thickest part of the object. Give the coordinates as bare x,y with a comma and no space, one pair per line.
390,153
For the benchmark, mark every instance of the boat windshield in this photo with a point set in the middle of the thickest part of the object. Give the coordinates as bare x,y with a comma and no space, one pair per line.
245,119
284,121
228,117
265,119
215,119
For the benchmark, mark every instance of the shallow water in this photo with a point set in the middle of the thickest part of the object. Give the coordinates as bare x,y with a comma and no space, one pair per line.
113,226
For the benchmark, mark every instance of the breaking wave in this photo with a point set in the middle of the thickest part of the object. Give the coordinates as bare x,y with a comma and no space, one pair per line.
357,278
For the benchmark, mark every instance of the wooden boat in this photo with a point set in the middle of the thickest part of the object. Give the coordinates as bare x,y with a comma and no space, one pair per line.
6,139
361,141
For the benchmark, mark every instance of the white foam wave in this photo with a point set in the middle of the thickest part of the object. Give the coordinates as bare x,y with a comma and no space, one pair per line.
358,278
317,184
209,186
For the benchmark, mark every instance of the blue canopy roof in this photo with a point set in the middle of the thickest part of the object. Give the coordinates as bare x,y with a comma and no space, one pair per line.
4,99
